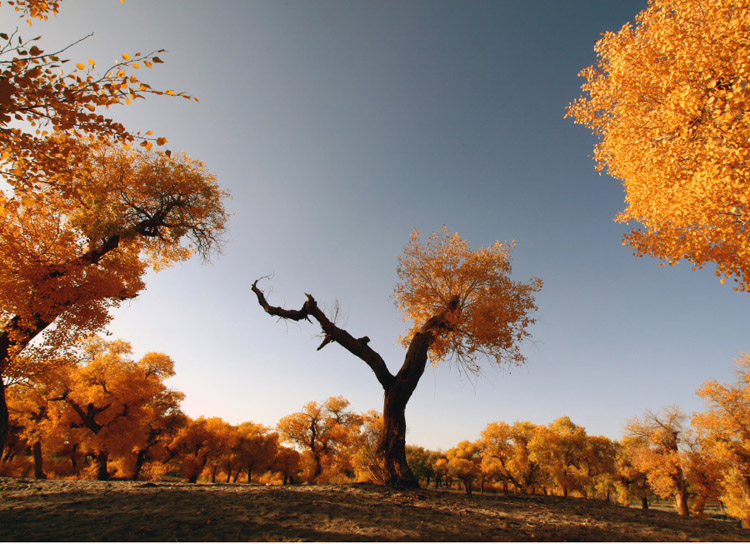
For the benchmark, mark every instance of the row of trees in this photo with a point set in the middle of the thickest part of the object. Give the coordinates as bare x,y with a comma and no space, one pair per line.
105,415
693,465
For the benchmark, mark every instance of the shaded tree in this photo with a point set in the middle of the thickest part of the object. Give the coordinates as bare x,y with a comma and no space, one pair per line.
631,483
463,306
256,449
559,450
321,429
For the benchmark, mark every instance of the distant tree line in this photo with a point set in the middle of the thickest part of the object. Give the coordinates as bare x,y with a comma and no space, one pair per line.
104,415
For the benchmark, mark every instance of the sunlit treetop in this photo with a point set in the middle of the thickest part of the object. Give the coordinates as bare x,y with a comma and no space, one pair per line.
669,100
487,313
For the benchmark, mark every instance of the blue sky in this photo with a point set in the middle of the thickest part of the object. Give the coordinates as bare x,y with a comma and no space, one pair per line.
339,127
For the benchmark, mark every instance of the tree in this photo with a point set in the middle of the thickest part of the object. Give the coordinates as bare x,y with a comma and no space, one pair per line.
111,402
287,462
421,463
464,463
463,306
668,99
322,429
559,450
49,121
703,473
631,483
198,444
660,456
598,466
366,455
506,454
256,449
67,259
31,401
724,433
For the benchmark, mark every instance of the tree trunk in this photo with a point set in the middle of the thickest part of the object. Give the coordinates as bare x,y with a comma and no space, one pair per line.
38,461
318,465
397,471
681,502
139,462
4,417
249,474
101,466
644,503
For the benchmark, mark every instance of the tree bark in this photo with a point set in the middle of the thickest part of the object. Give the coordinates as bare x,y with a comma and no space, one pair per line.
140,460
397,471
681,502
644,503
101,465
38,461
4,417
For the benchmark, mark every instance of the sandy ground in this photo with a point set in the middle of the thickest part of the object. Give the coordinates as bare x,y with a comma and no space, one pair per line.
139,511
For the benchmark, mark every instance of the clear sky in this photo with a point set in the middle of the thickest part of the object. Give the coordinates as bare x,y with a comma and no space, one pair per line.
339,127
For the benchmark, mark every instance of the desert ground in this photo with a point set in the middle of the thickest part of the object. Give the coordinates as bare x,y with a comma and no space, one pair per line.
46,510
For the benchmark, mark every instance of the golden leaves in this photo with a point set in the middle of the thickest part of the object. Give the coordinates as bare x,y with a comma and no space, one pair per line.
723,433
34,88
486,313
71,255
669,100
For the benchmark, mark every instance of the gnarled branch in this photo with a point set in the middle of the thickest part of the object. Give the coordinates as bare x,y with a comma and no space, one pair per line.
333,333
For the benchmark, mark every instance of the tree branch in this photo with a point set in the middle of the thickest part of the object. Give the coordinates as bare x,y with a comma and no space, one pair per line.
355,346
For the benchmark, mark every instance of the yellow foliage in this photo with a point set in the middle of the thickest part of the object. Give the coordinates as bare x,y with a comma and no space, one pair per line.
669,99
485,312
657,453
69,256
724,431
